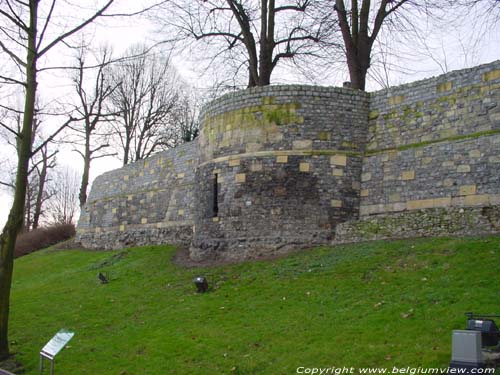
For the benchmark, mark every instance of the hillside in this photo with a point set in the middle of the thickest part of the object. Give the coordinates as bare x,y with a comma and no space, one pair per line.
381,304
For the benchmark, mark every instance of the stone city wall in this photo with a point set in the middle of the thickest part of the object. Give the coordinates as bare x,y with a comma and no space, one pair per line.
432,158
146,202
282,167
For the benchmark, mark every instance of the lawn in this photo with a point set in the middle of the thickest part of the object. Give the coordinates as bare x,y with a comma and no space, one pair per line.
380,304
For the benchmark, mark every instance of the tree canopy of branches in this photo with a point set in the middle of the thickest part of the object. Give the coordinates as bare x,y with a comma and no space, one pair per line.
253,36
29,33
361,22
91,132
147,93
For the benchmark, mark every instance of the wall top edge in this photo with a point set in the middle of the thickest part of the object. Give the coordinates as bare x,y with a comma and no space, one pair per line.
272,90
449,76
171,152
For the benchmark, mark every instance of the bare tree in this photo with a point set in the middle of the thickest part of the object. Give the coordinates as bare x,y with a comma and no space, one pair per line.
62,207
92,132
254,36
28,30
146,94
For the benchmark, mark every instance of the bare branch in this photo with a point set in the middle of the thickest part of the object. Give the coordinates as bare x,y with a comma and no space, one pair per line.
75,29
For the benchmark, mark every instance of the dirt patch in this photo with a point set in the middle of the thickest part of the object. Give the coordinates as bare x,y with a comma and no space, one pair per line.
10,367
181,259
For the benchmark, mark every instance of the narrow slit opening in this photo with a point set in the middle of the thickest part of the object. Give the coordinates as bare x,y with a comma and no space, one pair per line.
215,195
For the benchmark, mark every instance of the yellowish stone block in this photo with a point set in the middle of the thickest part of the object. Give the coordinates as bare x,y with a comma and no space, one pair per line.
445,86
336,203
396,197
305,144
339,160
463,168
304,167
408,175
234,162
125,178
475,153
467,190
180,212
144,220
337,172
240,177
180,175
122,228
477,200
215,219
114,210
397,99
490,76
428,203
282,159
365,192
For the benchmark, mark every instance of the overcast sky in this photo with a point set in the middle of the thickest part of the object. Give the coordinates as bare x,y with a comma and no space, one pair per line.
463,46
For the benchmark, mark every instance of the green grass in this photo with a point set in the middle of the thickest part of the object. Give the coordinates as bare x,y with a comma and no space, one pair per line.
380,304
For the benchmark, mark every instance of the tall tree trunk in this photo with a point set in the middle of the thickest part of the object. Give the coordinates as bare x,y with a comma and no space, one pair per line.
86,171
15,220
41,189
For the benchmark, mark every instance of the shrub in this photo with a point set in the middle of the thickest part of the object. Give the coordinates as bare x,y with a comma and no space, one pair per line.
40,238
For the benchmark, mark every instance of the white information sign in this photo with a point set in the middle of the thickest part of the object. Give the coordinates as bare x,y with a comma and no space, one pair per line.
56,343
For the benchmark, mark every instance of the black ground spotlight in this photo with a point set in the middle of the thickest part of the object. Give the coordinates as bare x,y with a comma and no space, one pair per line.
201,284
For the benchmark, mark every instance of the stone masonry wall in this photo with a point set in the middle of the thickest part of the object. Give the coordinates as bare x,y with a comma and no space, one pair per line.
283,167
286,163
432,158
147,202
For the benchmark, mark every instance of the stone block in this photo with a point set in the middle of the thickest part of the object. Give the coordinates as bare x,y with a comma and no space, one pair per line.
395,197
144,220
338,160
490,76
240,178
364,192
324,136
494,159
444,86
180,212
467,190
397,99
428,203
464,168
304,167
125,178
475,153
180,175
337,172
408,175
234,162
122,228
282,159
477,200
336,203
305,144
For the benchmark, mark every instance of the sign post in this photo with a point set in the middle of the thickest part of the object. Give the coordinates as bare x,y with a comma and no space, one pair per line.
53,347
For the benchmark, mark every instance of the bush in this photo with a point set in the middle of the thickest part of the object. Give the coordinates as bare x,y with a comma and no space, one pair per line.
40,238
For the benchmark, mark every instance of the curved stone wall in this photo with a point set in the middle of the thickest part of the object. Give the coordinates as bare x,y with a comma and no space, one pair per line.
279,167
284,167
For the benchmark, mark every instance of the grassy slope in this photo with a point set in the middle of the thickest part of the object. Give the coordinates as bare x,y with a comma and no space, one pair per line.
377,304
